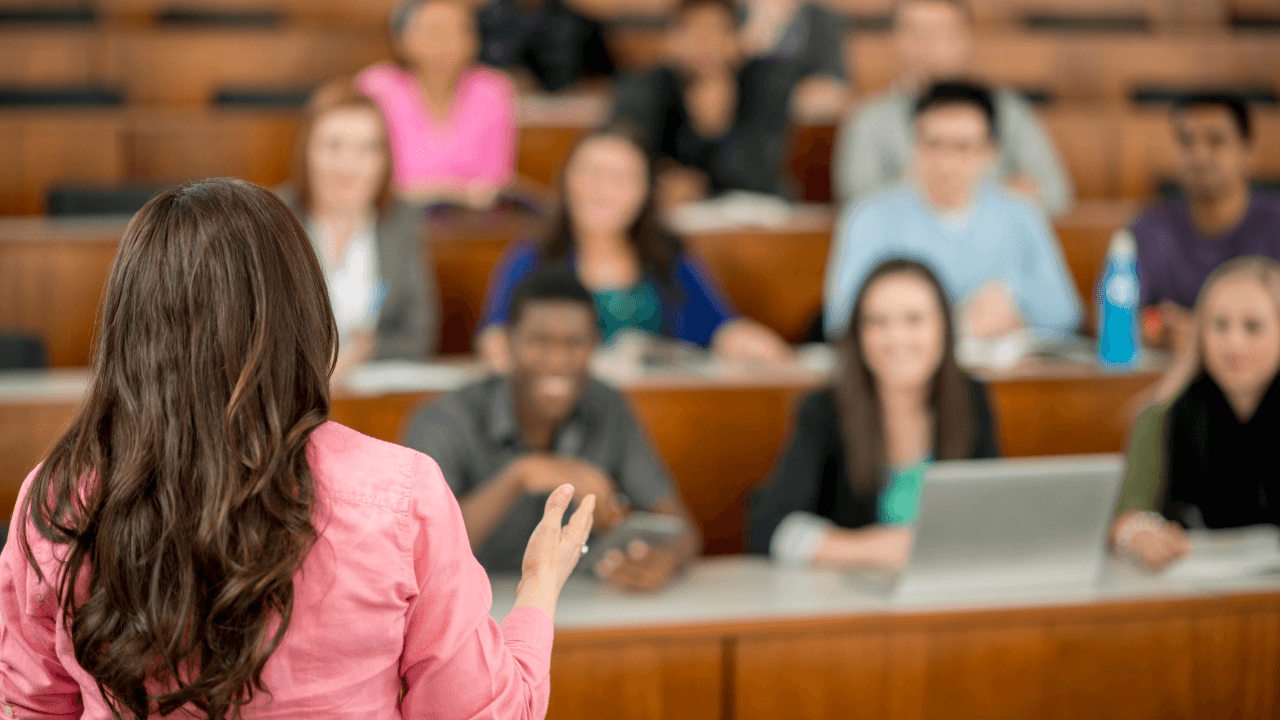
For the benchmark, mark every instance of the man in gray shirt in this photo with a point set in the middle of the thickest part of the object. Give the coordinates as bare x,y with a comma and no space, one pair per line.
504,443
874,148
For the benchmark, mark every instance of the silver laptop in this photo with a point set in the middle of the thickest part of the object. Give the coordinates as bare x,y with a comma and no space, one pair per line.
1035,524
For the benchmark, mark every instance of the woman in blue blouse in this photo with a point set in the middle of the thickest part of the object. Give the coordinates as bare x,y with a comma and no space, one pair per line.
609,235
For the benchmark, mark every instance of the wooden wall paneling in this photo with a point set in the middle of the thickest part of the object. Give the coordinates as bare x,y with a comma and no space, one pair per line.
1001,671
382,417
1256,9
1088,140
752,420
45,148
177,145
27,432
187,66
1071,415
51,290
1210,658
773,278
466,248
543,150
43,57
1094,66
873,675
1220,644
656,678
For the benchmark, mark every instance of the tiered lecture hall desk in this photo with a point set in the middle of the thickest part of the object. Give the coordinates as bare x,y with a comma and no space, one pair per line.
719,428
737,638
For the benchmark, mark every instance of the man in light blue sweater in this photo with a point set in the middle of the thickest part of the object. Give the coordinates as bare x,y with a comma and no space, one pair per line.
995,252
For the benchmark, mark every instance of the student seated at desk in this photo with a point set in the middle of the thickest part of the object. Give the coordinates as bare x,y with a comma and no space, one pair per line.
847,487
505,442
808,40
717,120
608,234
543,43
1211,460
934,40
370,245
452,122
995,253
1181,241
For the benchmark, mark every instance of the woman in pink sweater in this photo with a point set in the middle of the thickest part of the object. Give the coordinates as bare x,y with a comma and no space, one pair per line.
451,122
203,541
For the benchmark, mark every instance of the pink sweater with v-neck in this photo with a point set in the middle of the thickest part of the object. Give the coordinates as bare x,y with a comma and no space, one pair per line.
476,142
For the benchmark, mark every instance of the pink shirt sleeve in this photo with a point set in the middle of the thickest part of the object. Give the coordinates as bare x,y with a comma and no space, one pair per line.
457,661
33,681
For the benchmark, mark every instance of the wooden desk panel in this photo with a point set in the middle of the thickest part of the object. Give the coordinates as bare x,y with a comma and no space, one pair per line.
1094,66
188,66
774,276
807,644
41,150
27,432
1202,659
720,438
672,679
51,289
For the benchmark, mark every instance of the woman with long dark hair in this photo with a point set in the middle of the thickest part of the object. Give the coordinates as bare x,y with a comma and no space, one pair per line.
847,488
608,233
203,540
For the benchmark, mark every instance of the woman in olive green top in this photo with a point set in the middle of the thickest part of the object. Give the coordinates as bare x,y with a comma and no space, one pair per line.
1202,455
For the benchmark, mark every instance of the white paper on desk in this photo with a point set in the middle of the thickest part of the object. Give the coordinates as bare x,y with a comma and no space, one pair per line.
737,208
999,353
1229,554
389,376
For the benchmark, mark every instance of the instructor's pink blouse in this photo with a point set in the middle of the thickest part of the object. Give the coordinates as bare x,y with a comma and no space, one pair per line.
477,142
390,591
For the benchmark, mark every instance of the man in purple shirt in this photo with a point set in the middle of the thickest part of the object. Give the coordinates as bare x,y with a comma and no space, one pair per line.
1219,217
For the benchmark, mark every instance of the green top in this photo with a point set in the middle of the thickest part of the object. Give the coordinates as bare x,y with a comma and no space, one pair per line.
899,502
1144,477
637,308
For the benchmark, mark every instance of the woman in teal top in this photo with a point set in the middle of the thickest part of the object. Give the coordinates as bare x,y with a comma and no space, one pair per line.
609,235
847,488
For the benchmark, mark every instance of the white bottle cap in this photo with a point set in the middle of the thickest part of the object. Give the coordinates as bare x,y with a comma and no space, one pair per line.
1122,244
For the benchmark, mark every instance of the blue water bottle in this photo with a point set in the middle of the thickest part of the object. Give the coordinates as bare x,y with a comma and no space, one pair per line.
1119,338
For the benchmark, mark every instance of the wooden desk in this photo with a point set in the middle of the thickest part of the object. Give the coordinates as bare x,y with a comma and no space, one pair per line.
718,427
52,272
737,638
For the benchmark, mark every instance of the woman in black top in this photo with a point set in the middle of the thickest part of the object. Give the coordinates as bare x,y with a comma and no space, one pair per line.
847,487
716,119
1219,451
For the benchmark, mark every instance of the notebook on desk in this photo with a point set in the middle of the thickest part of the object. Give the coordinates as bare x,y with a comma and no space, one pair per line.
1229,554
1019,525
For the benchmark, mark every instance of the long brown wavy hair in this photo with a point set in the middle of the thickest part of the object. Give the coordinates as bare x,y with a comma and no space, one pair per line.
861,422
182,491
657,247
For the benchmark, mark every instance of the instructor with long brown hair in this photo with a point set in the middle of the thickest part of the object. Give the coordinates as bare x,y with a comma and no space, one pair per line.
204,541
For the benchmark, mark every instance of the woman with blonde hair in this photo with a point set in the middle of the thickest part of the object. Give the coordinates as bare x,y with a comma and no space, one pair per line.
1202,455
